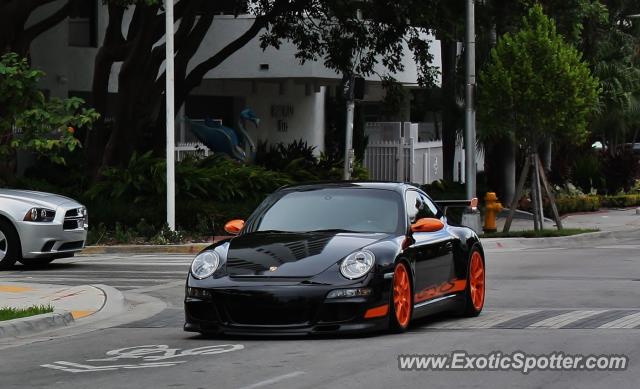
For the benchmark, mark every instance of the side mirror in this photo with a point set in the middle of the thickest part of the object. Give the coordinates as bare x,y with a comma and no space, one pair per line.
234,227
427,224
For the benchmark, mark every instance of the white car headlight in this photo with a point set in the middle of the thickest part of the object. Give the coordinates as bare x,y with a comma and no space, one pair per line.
357,264
205,264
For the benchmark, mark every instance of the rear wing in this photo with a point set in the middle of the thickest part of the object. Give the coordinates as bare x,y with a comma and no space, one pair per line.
444,204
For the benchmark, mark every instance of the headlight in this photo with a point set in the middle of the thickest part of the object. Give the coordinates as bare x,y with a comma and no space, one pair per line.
357,264
205,264
40,215
85,213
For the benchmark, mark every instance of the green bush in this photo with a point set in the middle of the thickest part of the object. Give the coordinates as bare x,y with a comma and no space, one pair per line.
572,204
587,171
620,201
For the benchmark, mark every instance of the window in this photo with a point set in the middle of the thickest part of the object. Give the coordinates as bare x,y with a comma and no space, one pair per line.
340,209
83,27
419,206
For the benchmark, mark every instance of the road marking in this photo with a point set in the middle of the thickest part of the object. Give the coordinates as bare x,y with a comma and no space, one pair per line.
80,314
486,320
564,319
14,289
630,321
546,319
154,355
532,318
273,380
601,319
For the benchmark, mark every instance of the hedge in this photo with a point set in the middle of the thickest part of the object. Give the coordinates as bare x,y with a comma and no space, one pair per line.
592,203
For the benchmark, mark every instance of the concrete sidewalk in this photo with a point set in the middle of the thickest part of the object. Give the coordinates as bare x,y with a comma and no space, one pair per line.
69,304
605,220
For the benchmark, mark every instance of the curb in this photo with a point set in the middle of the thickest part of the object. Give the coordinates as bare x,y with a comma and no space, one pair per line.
192,248
574,241
114,304
33,324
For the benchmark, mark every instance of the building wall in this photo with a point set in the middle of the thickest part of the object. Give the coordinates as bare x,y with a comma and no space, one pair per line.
289,97
287,112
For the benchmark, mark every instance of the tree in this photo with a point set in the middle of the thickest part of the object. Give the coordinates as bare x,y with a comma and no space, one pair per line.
30,122
321,29
15,35
536,87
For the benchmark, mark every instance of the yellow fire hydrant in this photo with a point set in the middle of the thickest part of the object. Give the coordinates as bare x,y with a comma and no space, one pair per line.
492,207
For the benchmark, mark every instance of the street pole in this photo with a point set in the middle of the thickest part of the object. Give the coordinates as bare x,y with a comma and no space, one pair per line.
470,114
169,94
348,138
471,217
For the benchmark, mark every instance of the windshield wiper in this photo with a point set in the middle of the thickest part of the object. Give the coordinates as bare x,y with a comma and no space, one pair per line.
334,230
276,231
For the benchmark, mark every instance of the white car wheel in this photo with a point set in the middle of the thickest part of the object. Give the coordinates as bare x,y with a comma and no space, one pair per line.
3,246
8,245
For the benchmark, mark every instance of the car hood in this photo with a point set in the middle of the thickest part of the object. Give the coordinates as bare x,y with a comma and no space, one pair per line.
292,254
36,198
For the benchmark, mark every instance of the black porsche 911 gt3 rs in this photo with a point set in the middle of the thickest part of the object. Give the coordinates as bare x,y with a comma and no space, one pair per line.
347,257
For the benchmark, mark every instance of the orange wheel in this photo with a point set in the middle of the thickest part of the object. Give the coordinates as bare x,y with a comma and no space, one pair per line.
474,301
402,302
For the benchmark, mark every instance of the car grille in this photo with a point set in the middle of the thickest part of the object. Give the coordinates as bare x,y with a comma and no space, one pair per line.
268,315
73,219
71,246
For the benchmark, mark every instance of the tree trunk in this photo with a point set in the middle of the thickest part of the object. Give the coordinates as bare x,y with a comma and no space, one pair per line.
449,50
508,161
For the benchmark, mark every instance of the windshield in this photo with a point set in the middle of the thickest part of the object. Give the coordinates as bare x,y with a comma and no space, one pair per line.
334,209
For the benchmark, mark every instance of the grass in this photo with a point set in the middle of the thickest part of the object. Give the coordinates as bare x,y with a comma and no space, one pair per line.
16,313
539,234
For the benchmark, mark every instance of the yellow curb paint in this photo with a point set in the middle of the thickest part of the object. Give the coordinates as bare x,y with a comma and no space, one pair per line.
81,314
14,289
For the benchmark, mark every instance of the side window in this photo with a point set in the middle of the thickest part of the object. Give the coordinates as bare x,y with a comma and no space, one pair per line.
430,207
419,206
413,201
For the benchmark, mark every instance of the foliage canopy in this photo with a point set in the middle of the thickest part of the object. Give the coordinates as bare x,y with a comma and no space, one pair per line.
536,86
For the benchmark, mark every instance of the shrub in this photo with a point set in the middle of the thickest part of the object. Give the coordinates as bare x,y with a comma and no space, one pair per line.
587,171
571,204
621,201
620,171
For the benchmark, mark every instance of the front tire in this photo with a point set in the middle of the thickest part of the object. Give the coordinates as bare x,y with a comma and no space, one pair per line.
401,299
9,245
474,294
36,262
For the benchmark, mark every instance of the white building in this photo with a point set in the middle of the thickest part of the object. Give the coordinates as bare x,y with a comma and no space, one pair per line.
288,97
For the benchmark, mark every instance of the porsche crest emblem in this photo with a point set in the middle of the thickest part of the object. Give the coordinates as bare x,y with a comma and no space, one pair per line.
273,268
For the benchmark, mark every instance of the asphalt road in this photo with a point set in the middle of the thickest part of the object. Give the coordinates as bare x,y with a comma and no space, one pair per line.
577,301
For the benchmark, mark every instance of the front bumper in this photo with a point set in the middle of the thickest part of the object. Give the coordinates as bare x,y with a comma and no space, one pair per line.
283,310
65,235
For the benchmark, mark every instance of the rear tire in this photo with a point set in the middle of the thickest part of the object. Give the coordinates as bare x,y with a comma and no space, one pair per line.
9,245
401,299
474,293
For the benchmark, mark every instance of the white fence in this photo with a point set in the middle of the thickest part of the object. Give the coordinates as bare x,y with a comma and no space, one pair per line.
194,149
395,154
418,162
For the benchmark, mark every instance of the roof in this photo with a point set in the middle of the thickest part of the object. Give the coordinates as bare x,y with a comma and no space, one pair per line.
395,186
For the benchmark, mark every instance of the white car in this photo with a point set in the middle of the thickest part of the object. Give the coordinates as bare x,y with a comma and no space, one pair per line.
38,227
